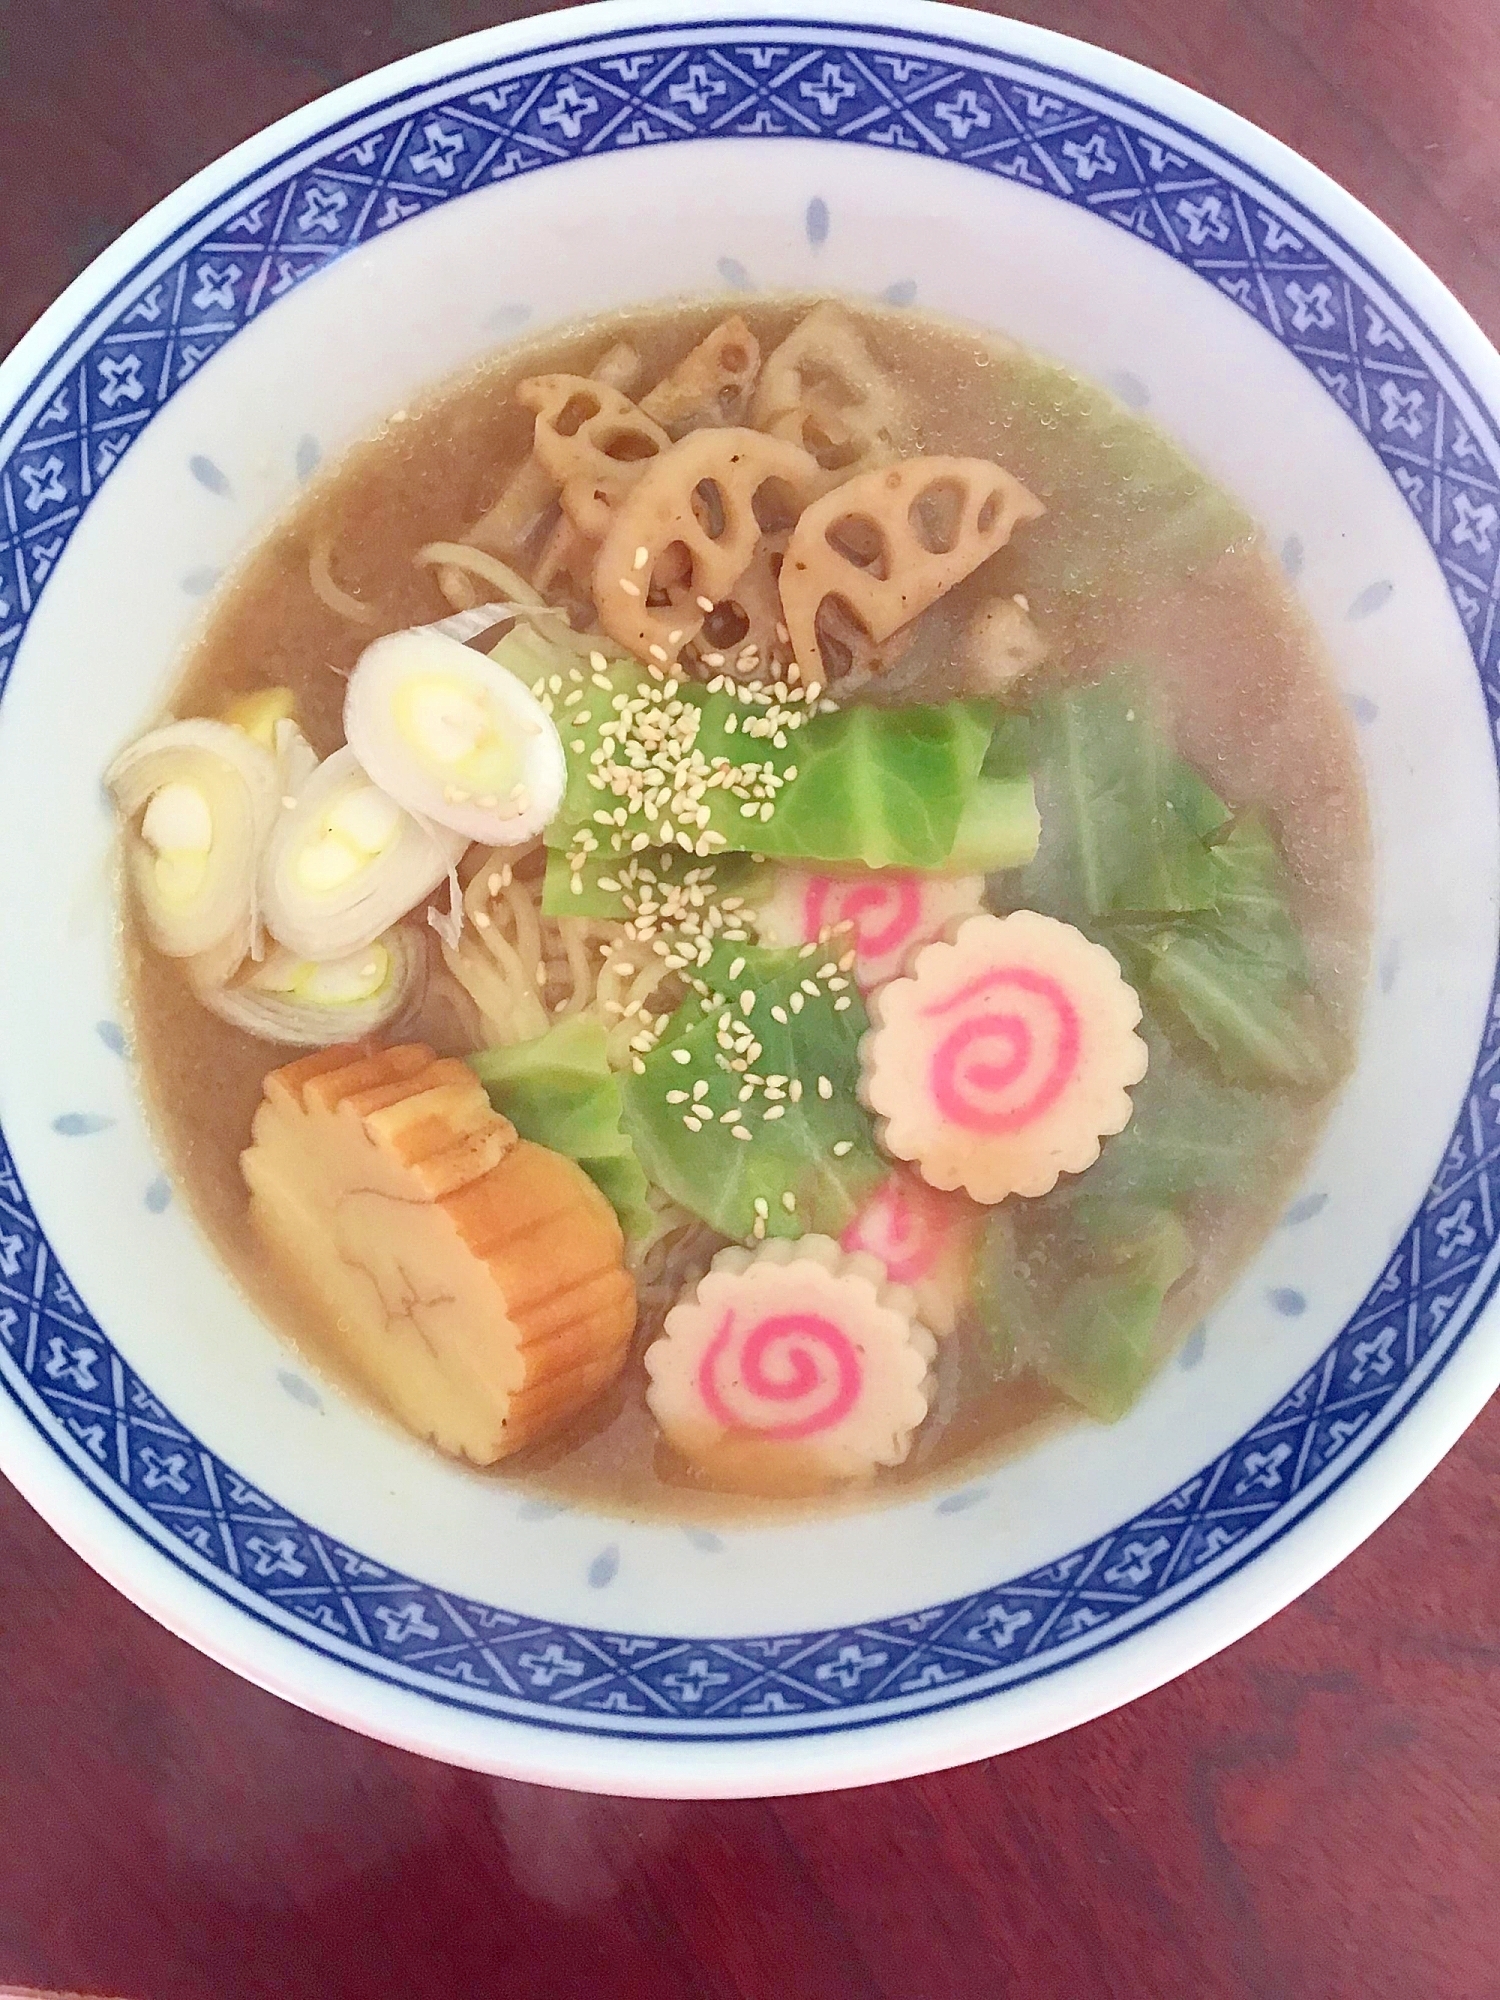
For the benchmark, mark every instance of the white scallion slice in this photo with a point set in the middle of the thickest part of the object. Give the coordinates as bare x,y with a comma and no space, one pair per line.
345,862
199,799
454,737
296,759
314,1004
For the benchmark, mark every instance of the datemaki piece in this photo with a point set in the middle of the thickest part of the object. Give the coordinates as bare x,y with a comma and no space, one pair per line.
1004,1057
791,1369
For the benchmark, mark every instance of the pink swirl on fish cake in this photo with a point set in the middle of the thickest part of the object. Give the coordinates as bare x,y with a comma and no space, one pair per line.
905,1225
787,1358
885,912
978,1066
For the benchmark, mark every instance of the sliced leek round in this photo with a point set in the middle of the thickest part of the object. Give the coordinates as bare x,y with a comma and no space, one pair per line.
199,799
345,862
260,713
296,759
454,737
314,1004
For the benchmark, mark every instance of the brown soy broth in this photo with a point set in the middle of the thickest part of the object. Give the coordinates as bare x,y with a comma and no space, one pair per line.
1135,560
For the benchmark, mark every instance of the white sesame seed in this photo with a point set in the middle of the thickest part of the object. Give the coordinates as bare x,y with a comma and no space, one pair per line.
481,920
747,1000
637,1065
841,1003
630,589
844,1146
825,1088
700,1089
738,1132
789,1202
759,1231
773,1111
779,1014
761,1205
682,1055
642,557
677,1097
796,1001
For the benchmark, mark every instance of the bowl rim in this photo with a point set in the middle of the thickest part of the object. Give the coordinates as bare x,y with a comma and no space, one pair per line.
1181,1635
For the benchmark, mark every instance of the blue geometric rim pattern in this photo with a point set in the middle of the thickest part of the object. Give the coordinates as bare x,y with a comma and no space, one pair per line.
949,101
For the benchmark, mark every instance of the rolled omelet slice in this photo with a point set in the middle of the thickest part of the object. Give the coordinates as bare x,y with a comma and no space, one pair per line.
473,1280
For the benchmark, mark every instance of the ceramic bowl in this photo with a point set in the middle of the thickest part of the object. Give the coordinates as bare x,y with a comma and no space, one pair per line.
167,408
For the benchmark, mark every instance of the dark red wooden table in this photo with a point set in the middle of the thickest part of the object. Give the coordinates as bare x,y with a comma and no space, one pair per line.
1314,1816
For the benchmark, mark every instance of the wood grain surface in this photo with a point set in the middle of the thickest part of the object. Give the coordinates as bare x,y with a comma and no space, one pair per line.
1313,1816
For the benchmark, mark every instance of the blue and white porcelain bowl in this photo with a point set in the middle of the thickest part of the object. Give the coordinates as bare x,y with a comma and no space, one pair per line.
167,407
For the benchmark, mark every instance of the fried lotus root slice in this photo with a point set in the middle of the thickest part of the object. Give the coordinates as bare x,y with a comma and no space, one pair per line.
744,635
709,385
925,1240
1004,1057
822,388
791,1369
593,441
889,911
686,534
878,551
474,1281
512,522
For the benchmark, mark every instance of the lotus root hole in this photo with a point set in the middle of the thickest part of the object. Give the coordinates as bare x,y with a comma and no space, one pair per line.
862,543
775,506
709,510
987,513
575,413
725,626
841,634
671,574
834,454
936,516
628,446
